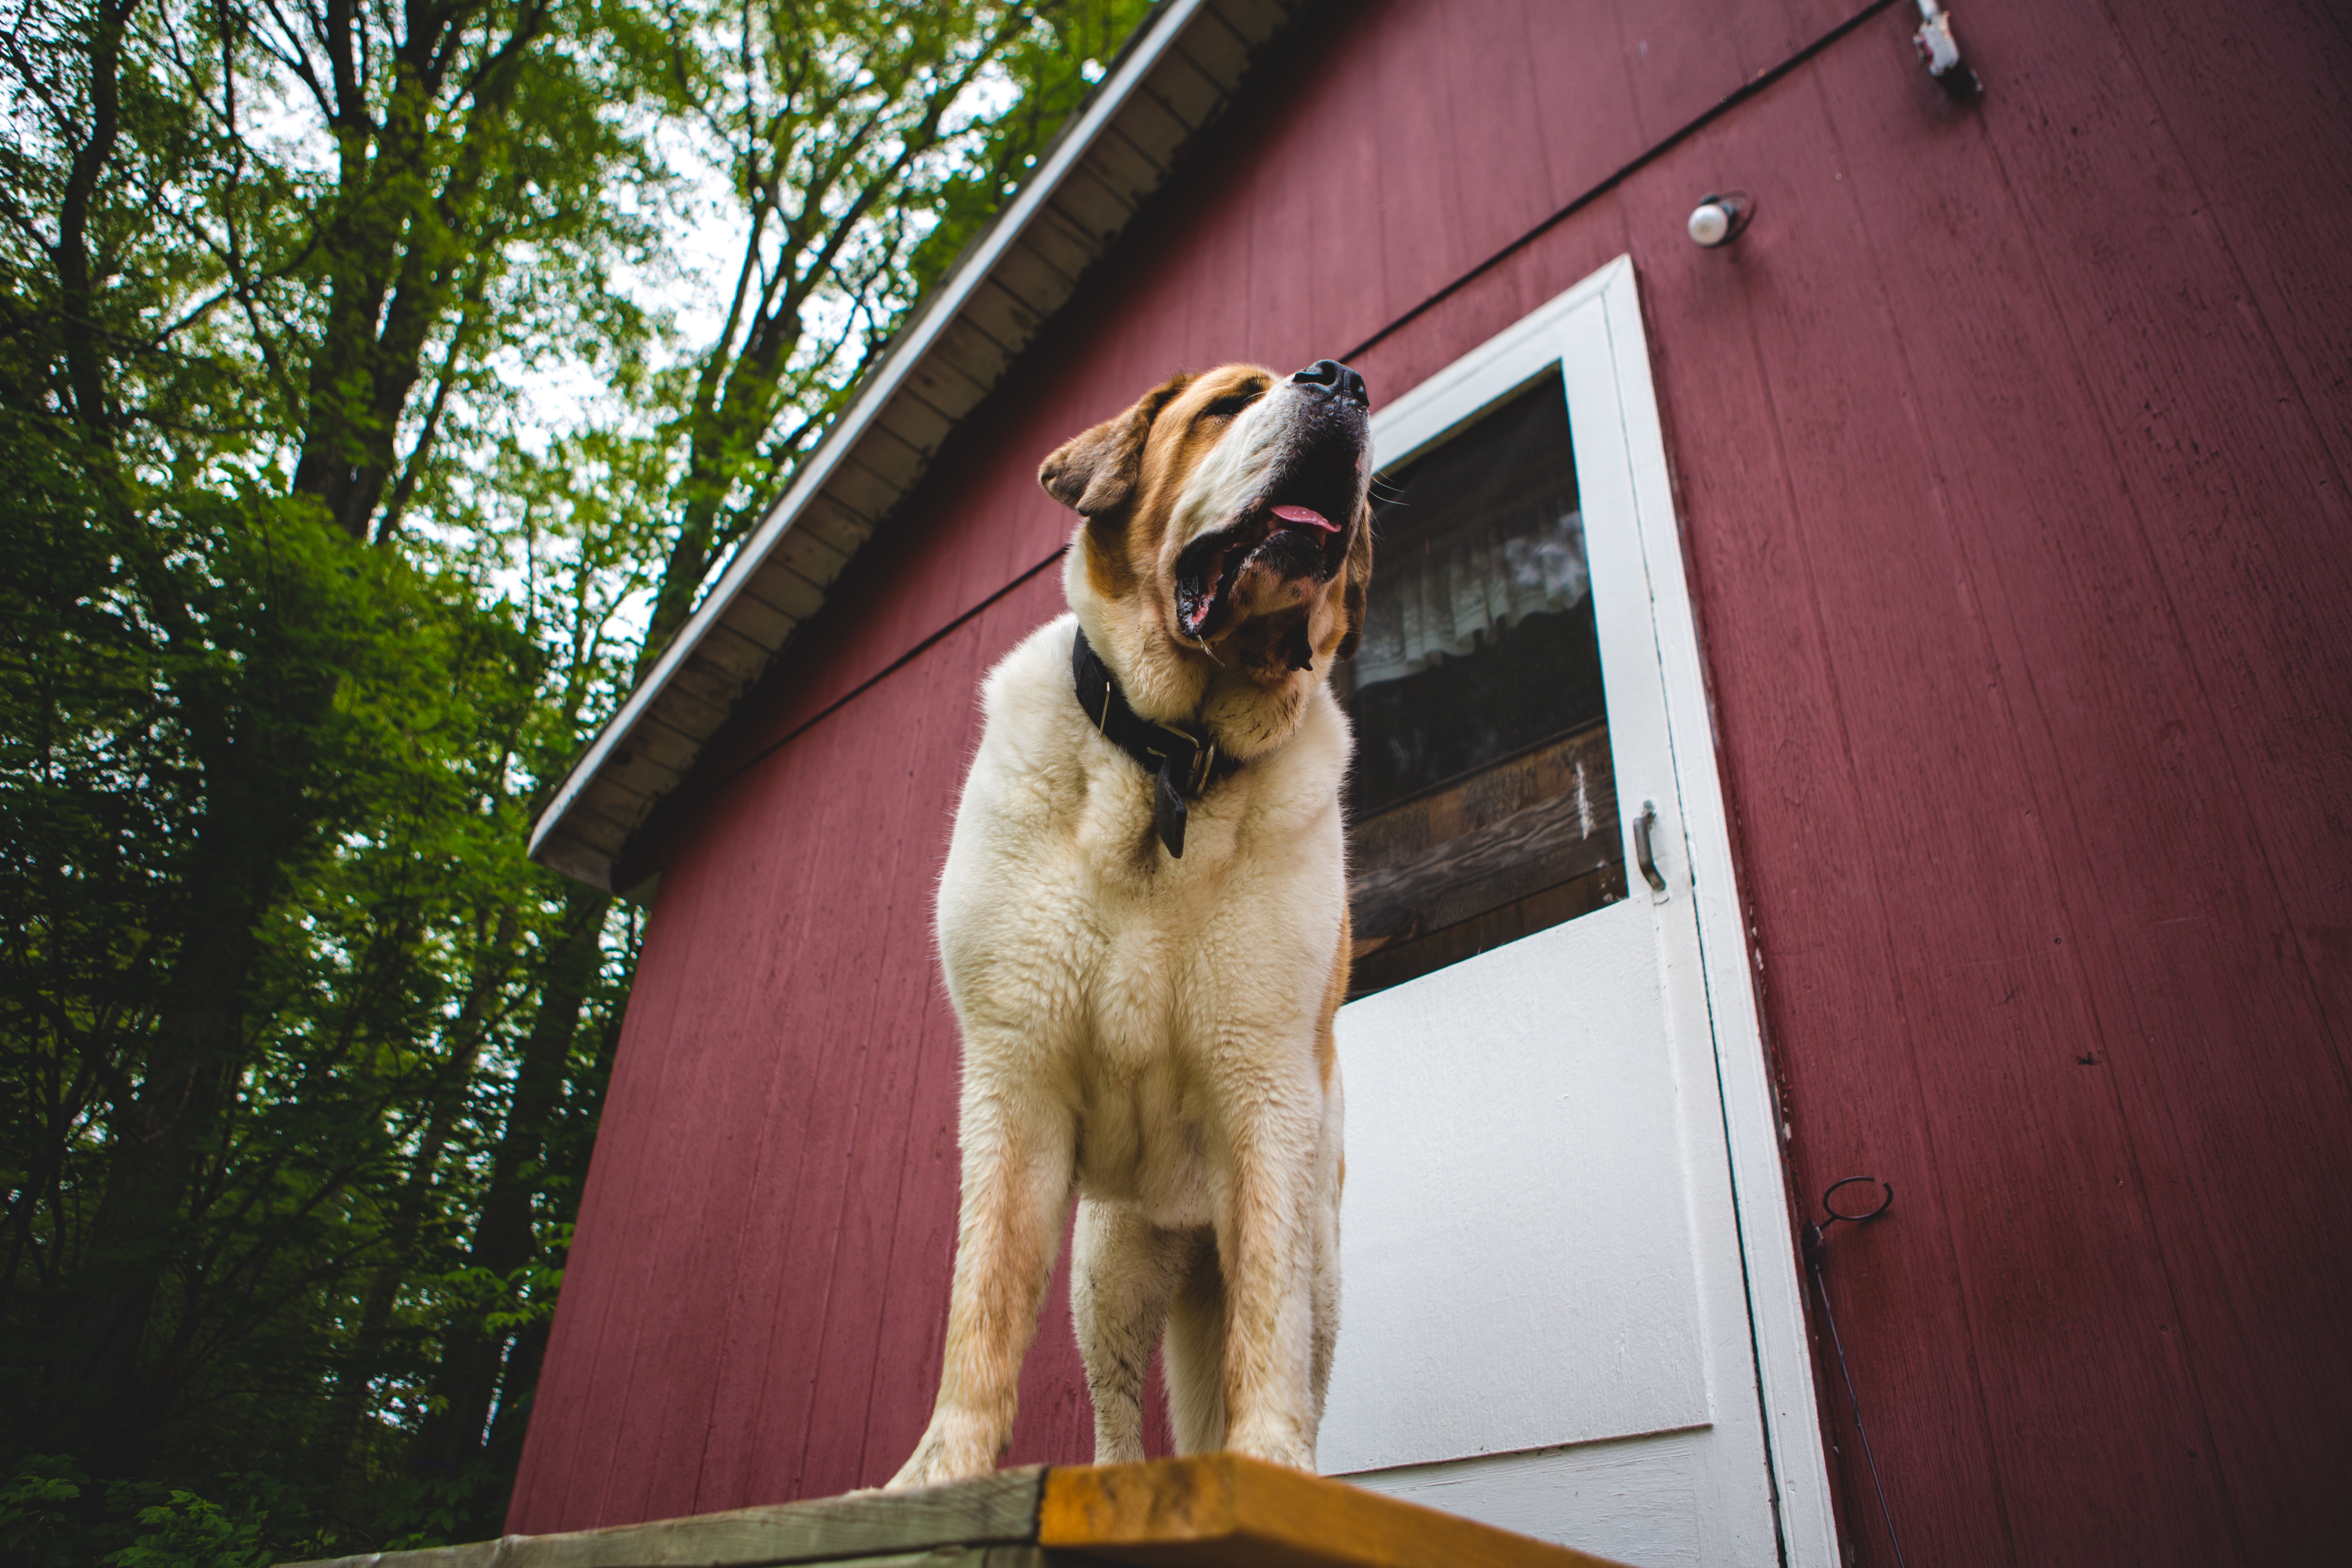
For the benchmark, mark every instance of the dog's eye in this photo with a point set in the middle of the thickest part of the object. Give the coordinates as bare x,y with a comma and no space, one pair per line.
1233,403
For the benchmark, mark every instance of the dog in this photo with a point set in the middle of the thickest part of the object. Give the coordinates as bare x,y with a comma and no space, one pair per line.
1143,922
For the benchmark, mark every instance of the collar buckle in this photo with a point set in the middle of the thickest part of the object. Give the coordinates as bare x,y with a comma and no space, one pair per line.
1205,762
1200,755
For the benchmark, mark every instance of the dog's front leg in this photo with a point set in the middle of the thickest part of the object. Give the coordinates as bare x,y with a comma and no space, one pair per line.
1266,1238
1017,1152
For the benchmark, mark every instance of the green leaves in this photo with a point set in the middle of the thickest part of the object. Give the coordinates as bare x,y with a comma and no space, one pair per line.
53,1515
188,1531
38,1508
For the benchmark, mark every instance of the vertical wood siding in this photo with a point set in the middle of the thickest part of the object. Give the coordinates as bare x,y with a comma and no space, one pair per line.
2011,447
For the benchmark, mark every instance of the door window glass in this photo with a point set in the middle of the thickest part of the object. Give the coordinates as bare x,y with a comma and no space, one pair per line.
1482,805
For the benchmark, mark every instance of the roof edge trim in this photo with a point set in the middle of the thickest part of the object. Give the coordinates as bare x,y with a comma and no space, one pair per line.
550,844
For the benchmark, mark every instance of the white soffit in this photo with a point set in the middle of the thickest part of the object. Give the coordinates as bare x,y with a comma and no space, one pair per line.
1179,73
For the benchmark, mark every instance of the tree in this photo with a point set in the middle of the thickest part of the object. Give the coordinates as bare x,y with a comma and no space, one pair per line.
215,348
300,1061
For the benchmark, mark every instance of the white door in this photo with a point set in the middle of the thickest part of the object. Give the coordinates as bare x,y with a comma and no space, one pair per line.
1570,1304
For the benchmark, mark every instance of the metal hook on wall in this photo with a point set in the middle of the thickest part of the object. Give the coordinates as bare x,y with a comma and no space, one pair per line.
1816,1234
1817,1231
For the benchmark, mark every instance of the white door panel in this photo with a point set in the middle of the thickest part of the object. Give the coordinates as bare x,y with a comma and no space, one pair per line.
1637,1501
1506,1284
1566,1307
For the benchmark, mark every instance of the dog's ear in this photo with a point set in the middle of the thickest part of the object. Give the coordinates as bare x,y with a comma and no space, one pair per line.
1359,582
1095,472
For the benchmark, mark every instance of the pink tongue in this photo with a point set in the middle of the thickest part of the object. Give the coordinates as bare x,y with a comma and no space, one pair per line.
1305,517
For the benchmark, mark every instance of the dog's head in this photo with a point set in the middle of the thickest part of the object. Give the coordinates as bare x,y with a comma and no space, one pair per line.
1227,525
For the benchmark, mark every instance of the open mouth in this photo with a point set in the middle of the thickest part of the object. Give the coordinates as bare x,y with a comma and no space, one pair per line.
1301,535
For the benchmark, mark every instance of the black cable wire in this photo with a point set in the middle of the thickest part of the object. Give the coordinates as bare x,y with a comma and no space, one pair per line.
1855,1400
1815,1235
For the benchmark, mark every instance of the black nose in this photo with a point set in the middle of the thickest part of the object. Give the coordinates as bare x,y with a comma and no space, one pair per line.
1333,377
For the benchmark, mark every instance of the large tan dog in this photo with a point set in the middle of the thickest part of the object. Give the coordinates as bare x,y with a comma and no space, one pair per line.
1144,925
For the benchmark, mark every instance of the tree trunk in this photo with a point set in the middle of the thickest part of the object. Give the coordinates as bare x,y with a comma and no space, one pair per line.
502,1449
361,1363
474,1355
106,1397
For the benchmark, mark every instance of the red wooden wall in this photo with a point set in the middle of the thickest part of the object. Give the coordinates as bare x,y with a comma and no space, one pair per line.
2011,445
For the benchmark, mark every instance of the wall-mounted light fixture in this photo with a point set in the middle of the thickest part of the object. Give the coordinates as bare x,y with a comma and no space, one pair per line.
1721,215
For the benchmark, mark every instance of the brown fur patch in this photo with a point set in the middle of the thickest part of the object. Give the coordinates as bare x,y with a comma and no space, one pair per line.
1094,471
1181,436
1109,571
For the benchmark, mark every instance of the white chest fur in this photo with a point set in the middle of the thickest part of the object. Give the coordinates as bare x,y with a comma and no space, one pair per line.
1128,981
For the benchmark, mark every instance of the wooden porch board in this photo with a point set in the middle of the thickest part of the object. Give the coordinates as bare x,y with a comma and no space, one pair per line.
1225,1509
1217,1510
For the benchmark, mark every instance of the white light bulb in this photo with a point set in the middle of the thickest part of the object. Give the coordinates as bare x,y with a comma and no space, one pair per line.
1709,224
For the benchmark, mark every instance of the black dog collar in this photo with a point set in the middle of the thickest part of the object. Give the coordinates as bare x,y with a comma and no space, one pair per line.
1187,763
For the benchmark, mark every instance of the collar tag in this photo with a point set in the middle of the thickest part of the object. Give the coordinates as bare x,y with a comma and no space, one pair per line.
1168,809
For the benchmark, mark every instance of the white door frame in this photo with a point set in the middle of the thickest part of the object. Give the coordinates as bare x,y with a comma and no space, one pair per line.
1593,332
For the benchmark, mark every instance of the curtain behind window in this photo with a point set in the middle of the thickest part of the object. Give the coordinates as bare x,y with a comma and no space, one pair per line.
1455,594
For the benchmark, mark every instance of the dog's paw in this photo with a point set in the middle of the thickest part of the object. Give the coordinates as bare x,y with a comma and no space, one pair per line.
954,1450
1275,1442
